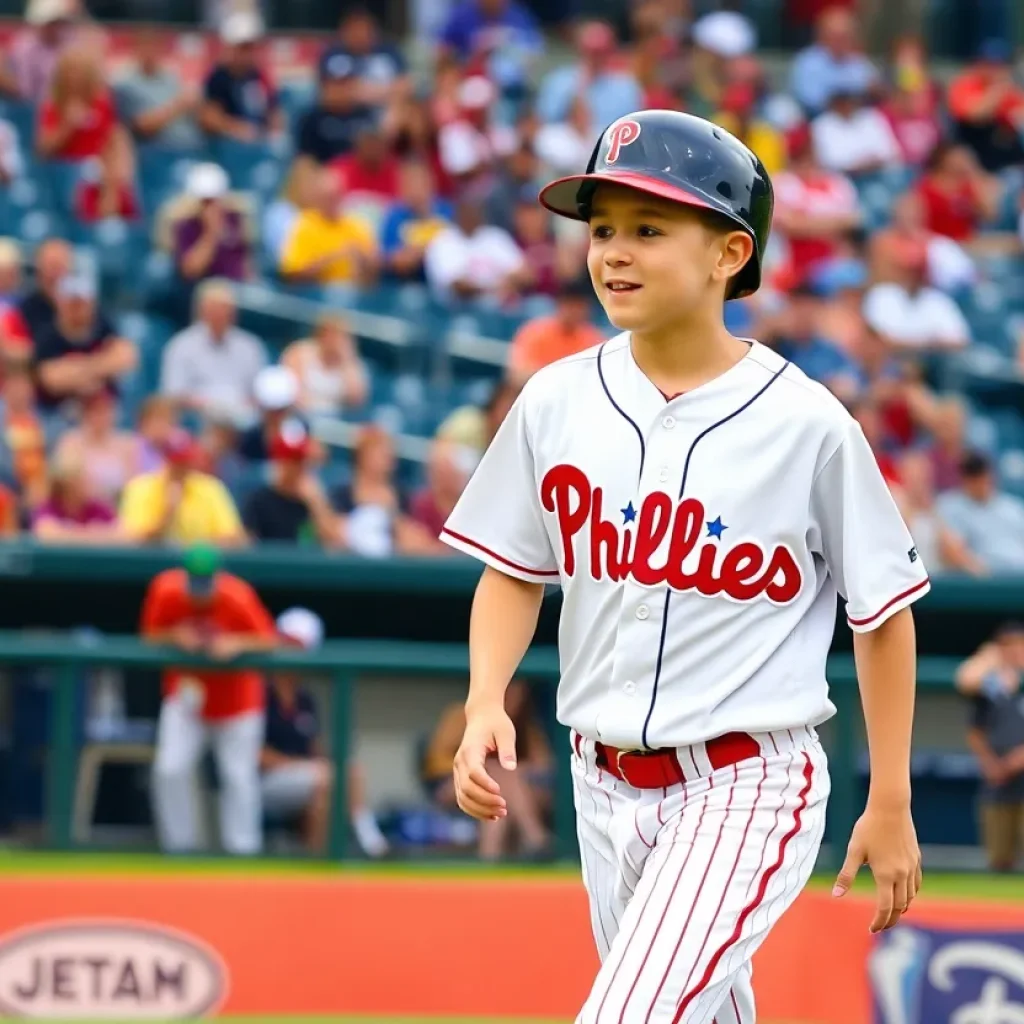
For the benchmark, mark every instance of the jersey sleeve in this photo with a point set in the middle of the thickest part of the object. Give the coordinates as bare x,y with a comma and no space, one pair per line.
863,538
158,606
247,613
499,519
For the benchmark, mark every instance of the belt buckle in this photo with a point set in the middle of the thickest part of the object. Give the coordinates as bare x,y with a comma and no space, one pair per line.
619,755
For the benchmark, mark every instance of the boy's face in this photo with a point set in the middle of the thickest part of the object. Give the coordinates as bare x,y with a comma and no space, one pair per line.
675,262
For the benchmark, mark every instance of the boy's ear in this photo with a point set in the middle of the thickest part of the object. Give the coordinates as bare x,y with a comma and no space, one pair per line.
737,248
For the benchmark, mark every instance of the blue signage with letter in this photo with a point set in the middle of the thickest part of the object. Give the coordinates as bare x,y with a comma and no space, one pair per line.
937,976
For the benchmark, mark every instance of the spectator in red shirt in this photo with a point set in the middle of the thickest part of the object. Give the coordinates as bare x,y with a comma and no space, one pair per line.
107,188
9,520
78,124
867,413
73,514
959,197
77,120
910,111
15,339
369,177
201,610
815,209
988,107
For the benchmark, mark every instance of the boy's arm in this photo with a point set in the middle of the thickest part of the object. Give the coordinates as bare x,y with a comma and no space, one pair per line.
872,558
501,626
884,836
499,520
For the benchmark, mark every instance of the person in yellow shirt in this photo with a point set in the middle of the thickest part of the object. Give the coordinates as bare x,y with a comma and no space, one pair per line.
178,504
327,245
738,116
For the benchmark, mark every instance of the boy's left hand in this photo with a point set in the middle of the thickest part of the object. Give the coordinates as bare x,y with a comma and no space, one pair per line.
886,841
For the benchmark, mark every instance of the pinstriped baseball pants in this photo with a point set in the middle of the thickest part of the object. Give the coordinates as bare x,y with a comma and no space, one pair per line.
686,882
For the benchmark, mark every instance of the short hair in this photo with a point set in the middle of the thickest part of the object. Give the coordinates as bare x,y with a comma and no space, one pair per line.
975,464
215,288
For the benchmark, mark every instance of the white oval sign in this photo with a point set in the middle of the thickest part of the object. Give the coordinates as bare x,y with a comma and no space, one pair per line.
115,970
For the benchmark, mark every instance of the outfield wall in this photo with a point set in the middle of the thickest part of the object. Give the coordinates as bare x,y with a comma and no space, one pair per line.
171,947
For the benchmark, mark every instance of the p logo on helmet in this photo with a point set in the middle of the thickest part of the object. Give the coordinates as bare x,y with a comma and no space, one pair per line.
624,133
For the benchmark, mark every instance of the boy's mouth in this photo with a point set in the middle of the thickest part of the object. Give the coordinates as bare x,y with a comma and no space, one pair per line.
618,286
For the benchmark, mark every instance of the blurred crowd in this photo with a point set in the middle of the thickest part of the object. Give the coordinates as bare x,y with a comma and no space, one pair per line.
897,195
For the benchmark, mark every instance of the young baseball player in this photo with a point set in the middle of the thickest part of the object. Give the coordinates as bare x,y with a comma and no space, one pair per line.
702,503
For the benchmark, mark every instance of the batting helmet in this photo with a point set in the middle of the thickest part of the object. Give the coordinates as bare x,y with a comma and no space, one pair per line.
683,158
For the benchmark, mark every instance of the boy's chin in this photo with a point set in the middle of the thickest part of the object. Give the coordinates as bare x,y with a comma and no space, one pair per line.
626,319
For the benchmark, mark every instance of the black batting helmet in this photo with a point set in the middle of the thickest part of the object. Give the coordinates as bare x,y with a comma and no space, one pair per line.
683,158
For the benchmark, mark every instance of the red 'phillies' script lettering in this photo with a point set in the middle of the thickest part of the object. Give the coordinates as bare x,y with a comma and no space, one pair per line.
623,133
745,570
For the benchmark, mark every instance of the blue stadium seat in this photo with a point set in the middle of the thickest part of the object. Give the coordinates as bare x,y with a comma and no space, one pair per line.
1011,471
251,166
1009,427
23,117
37,224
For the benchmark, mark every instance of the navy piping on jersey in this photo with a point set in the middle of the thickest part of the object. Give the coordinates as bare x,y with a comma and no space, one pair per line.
682,487
618,408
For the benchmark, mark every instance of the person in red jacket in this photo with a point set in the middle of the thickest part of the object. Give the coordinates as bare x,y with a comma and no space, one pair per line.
201,609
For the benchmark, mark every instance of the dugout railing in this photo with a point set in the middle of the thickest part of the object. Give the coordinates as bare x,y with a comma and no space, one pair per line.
66,656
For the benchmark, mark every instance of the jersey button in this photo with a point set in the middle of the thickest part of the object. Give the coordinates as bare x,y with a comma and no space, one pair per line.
668,422
663,474
629,686
643,612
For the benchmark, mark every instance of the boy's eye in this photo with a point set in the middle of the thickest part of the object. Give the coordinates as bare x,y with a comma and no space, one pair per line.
604,231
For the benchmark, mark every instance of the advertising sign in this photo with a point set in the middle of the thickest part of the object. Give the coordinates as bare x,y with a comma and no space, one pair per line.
926,975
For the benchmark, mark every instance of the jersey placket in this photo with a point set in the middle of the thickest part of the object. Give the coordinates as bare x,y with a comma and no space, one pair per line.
642,620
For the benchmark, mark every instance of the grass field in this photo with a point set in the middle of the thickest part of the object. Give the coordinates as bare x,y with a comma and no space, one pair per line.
1005,888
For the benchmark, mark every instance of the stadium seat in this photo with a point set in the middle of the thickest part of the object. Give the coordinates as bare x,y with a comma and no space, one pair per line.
1011,471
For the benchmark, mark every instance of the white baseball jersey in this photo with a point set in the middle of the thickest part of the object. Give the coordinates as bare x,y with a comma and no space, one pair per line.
700,541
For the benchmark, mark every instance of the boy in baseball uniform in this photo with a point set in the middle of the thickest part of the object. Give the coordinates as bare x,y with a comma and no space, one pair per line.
702,504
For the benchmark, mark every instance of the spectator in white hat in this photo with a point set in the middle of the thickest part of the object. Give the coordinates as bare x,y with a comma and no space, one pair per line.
726,34
473,142
297,776
208,228
212,365
32,57
239,101
275,392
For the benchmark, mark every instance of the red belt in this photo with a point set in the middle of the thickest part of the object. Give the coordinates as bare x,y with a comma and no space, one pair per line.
655,769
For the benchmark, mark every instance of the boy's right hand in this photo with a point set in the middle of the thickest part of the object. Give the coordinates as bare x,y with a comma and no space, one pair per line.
488,731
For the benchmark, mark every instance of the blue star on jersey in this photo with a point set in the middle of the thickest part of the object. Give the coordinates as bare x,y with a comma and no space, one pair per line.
628,514
716,528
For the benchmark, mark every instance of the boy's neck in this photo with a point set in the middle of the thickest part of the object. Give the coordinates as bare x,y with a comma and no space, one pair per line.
682,357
